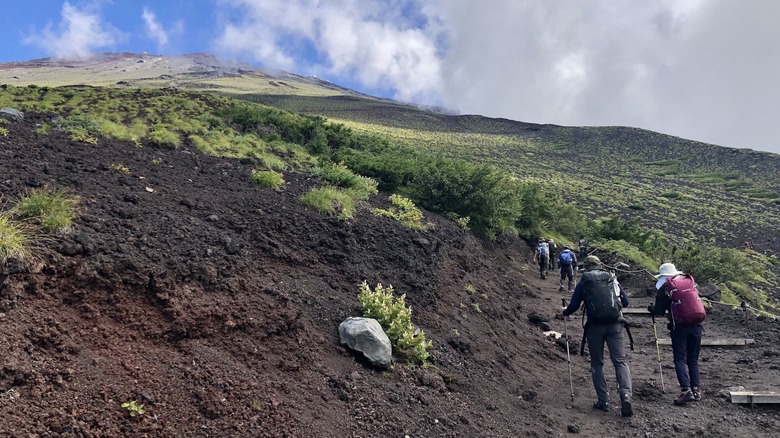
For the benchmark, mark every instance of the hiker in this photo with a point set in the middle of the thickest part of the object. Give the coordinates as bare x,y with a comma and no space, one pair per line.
542,256
567,262
604,299
677,294
553,250
583,247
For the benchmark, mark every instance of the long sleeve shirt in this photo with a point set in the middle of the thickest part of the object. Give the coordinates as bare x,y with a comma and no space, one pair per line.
579,295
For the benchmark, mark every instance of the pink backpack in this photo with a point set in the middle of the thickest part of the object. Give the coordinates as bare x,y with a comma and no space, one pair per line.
687,307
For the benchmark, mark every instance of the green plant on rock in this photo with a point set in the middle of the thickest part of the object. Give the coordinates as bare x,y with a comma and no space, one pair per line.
3,132
268,178
396,319
54,210
134,408
404,211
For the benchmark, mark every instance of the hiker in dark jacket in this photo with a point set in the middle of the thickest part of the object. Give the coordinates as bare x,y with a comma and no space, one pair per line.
686,338
594,283
568,268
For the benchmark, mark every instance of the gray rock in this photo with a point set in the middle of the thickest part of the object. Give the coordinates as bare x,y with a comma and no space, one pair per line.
12,114
366,336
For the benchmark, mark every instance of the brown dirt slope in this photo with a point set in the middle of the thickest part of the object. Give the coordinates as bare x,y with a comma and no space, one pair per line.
216,303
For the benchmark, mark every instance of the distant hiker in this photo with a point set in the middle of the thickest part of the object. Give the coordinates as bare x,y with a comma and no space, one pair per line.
583,248
553,250
604,300
678,294
542,256
567,261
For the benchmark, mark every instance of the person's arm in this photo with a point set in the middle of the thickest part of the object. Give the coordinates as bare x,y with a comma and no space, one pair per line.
576,300
662,302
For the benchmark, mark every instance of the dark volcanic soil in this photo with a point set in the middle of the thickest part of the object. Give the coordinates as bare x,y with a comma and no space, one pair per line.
216,302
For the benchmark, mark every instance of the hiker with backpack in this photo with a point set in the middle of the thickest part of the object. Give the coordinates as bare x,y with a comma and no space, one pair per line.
567,262
553,250
604,300
678,294
542,256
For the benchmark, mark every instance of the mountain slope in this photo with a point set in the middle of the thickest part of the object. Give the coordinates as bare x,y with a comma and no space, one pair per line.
215,303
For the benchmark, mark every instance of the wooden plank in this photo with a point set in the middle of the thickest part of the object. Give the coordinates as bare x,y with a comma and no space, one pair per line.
635,311
714,342
755,397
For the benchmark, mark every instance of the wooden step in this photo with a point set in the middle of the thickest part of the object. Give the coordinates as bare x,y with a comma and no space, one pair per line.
636,311
755,397
714,342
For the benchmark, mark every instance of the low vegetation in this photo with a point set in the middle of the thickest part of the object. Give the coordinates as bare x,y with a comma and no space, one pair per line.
490,176
15,240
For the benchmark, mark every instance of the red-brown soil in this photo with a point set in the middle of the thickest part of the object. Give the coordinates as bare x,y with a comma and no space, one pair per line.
216,303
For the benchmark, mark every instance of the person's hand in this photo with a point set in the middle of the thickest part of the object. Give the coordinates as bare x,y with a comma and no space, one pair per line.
650,308
562,309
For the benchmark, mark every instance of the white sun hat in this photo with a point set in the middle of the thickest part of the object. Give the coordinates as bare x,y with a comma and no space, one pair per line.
667,270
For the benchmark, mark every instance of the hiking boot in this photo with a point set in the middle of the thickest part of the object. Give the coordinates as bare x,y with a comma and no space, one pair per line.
625,408
684,397
696,394
561,289
601,405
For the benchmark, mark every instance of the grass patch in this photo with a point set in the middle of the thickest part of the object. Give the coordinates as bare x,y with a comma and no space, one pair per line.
630,252
268,178
54,210
332,200
15,240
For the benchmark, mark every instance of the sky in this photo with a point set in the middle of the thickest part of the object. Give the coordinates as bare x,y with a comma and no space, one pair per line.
706,70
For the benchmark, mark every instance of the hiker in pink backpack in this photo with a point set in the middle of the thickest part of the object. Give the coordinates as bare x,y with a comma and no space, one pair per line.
677,294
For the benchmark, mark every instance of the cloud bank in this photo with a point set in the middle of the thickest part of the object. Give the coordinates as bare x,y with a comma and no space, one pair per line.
700,69
77,36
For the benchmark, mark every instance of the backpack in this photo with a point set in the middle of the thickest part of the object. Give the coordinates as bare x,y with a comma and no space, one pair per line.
687,307
565,258
541,250
602,297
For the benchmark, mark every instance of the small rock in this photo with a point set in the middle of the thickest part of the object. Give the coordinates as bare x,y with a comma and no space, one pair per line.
213,218
573,428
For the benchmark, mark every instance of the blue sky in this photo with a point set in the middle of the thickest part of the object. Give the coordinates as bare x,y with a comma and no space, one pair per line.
707,70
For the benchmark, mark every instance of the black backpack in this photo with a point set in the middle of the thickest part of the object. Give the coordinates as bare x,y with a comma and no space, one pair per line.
602,304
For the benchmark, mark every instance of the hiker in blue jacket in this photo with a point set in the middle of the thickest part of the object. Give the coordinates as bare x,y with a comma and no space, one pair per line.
567,262
604,298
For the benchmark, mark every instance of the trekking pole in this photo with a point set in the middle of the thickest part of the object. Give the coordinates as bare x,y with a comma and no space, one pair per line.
568,355
658,353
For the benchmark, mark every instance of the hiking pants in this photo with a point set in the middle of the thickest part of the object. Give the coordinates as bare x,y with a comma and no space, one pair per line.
567,271
543,267
686,345
552,260
612,334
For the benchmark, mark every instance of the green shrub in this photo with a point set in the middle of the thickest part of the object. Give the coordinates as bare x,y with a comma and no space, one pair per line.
405,212
54,210
3,132
268,178
331,200
396,320
15,240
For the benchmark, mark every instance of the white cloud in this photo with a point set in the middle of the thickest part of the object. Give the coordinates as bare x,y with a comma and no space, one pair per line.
154,29
364,40
76,37
700,69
